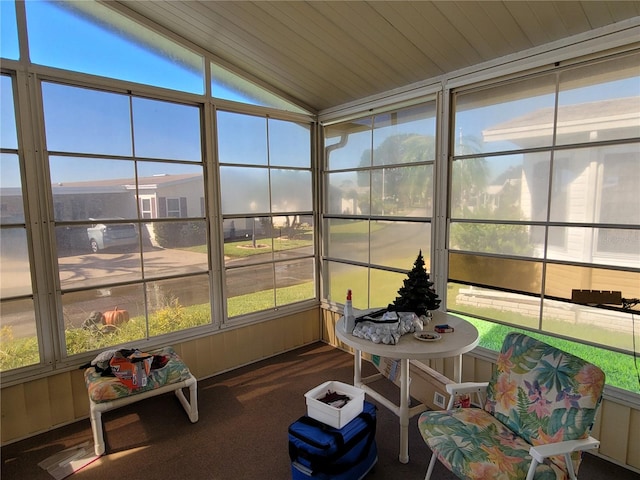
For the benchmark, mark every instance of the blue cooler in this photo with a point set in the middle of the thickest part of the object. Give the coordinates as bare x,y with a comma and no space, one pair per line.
322,452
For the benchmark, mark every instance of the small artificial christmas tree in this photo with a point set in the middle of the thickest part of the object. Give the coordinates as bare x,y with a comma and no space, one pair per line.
417,294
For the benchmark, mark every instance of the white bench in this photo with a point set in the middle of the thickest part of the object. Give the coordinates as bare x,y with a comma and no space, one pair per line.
108,393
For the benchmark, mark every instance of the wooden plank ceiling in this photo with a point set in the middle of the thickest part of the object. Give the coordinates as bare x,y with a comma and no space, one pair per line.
328,53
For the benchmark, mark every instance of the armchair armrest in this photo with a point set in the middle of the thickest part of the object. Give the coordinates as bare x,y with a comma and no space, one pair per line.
466,387
540,452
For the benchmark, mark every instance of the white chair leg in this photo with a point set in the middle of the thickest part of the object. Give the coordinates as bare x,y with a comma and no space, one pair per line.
190,406
532,469
98,435
570,470
432,463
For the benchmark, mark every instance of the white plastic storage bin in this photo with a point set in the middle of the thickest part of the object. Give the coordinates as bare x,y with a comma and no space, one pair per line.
332,416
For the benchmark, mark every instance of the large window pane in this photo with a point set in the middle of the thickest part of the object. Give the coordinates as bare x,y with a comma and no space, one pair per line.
566,194
166,130
79,36
86,121
509,117
380,171
267,210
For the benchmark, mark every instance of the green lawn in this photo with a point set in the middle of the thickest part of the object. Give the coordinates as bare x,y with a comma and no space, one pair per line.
620,369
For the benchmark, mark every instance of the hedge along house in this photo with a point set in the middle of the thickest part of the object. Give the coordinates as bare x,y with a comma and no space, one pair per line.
324,145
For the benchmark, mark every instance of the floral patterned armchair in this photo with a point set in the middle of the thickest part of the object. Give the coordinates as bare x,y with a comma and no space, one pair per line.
536,416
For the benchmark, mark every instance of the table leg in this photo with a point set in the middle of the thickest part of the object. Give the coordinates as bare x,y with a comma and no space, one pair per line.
457,368
404,410
357,368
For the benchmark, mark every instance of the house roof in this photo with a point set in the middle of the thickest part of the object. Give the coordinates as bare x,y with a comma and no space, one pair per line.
120,184
585,117
323,54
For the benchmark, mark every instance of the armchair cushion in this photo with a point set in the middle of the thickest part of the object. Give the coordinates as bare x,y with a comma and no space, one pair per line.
537,395
473,444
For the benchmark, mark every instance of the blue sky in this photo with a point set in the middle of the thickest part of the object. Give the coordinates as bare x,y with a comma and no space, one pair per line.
65,40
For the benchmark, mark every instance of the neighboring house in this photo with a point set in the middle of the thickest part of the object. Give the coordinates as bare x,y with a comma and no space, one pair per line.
599,184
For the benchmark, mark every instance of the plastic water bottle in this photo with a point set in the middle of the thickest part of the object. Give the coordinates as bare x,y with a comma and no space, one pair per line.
349,316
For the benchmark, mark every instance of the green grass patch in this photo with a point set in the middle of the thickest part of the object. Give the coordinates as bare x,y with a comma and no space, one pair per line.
619,368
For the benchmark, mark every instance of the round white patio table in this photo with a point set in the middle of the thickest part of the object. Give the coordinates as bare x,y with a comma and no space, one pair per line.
463,339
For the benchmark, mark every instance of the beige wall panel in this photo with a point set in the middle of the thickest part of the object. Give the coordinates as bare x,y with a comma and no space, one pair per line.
79,393
614,432
484,370
468,368
38,403
277,343
189,354
449,368
595,430
204,357
61,392
328,327
437,364
633,454
215,356
231,348
311,322
251,341
14,413
246,342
